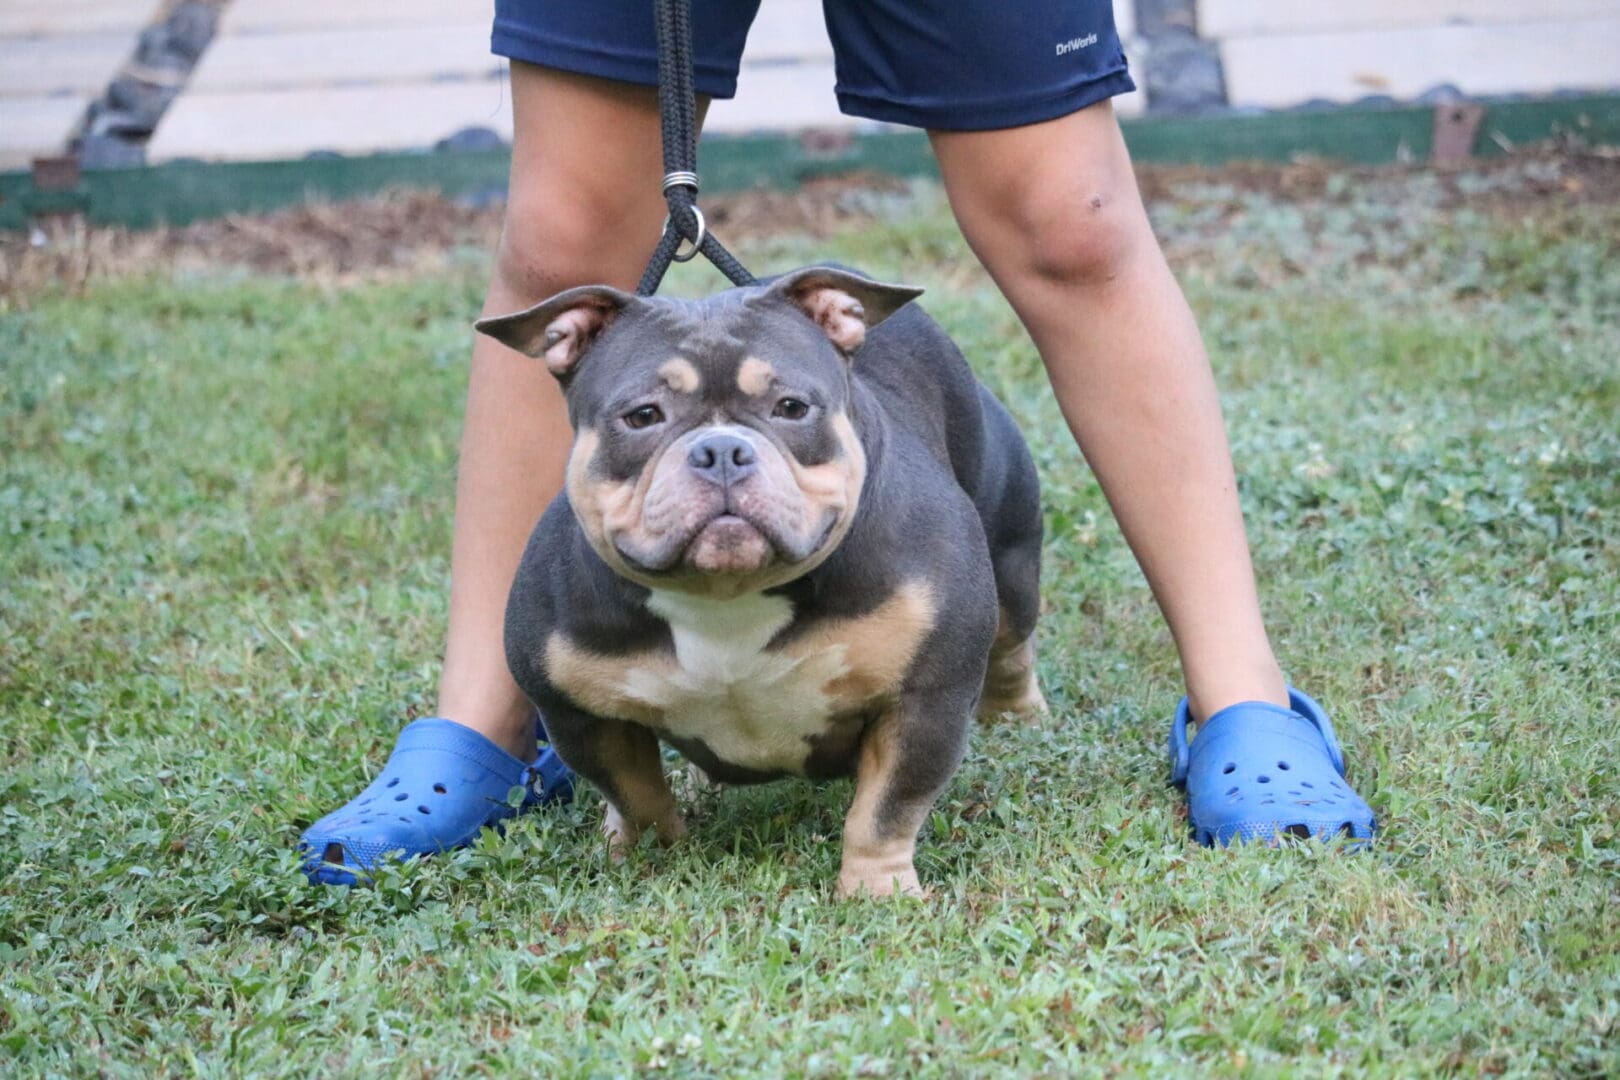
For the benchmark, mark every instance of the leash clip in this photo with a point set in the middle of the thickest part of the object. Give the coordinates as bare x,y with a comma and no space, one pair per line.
702,231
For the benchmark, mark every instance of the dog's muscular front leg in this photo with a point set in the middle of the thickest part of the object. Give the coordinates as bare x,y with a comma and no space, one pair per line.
908,755
637,791
621,759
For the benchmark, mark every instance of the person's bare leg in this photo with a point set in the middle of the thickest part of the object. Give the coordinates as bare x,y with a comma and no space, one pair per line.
584,208
1053,212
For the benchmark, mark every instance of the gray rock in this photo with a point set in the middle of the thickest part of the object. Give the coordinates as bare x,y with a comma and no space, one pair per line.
1443,94
129,110
1181,72
191,28
175,43
152,51
1157,17
1184,75
142,102
110,152
109,121
471,139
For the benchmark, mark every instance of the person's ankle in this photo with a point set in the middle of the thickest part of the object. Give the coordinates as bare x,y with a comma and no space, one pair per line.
1211,695
511,727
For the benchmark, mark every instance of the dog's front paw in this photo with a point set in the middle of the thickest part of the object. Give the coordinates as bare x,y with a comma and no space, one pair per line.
879,880
623,834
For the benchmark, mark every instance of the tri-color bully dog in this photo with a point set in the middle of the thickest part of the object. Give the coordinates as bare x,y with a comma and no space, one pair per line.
797,537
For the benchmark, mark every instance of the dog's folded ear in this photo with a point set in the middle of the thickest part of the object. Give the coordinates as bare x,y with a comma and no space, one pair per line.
843,303
558,330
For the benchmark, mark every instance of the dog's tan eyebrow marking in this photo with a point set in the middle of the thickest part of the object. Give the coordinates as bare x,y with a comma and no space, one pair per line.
754,376
679,375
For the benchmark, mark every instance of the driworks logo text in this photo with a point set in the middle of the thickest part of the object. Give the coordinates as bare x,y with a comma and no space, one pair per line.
1076,43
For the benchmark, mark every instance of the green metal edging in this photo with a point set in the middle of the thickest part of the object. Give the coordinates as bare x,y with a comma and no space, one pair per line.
182,192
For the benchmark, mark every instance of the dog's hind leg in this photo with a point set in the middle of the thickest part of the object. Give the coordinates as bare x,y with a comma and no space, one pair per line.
1010,683
1008,495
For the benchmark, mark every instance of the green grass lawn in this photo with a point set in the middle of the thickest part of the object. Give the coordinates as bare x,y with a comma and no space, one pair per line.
224,531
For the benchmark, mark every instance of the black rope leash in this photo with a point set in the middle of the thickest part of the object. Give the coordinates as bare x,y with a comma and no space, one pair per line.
677,106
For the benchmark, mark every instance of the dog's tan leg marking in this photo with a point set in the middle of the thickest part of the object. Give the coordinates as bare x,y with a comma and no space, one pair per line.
639,797
1010,683
878,855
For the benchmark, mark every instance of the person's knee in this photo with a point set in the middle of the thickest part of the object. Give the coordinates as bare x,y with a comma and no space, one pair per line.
549,244
1073,231
1084,235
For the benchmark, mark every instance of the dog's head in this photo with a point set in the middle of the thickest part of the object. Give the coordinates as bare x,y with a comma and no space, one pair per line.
714,450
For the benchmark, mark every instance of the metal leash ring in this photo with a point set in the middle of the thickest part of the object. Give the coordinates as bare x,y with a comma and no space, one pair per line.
681,178
702,231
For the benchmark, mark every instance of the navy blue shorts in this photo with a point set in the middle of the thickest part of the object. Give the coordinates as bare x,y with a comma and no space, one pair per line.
955,65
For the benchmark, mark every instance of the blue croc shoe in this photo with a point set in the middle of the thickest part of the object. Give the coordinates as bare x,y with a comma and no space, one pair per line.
1259,772
441,785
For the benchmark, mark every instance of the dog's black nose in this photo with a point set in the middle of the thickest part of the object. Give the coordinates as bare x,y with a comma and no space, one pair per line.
722,460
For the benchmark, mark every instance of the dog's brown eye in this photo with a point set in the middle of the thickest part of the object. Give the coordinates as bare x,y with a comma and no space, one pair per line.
791,409
644,417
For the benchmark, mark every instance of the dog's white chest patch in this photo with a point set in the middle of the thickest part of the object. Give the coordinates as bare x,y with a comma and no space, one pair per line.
749,706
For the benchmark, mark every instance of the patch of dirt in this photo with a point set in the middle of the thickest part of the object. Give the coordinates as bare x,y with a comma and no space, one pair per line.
1569,177
402,232
391,232
1572,177
396,231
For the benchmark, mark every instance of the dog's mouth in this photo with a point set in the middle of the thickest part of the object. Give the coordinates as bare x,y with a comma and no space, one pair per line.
728,544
